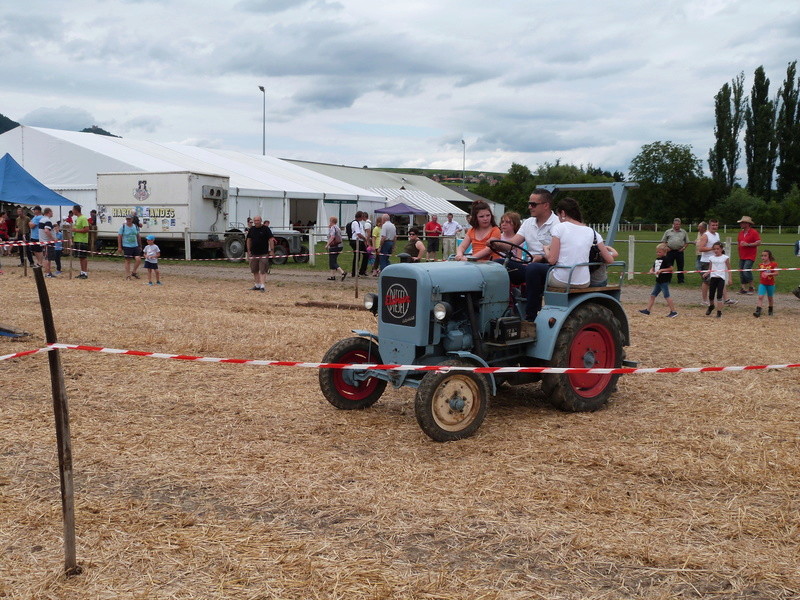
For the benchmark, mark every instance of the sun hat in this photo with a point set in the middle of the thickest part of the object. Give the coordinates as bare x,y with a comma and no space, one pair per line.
746,219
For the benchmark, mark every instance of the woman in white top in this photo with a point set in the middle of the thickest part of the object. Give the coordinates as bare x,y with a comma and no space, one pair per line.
570,246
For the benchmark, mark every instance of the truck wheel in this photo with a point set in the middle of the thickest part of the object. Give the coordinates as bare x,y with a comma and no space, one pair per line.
280,252
234,247
451,406
339,386
302,257
590,338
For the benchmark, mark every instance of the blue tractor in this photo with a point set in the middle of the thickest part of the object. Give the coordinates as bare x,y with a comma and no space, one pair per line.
466,314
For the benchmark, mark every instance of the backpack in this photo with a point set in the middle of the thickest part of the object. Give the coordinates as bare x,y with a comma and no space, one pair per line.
349,229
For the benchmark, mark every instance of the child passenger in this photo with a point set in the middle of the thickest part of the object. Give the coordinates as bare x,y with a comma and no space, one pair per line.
766,286
718,276
662,269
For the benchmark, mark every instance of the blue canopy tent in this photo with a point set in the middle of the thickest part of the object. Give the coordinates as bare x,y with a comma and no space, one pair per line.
401,209
17,186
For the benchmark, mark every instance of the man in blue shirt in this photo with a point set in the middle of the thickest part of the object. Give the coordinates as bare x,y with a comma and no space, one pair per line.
35,248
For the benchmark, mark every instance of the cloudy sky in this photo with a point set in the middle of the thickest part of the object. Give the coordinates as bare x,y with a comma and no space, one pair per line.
361,82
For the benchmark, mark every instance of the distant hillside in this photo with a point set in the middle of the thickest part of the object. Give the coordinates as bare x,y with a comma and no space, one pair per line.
7,124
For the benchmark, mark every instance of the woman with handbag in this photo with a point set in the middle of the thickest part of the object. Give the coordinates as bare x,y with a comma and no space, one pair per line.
573,243
334,247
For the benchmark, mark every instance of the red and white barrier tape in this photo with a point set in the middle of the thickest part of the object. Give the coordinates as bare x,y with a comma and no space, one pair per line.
382,367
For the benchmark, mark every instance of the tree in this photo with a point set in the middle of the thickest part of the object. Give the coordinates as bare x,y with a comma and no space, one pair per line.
723,158
7,124
787,132
759,137
98,130
670,180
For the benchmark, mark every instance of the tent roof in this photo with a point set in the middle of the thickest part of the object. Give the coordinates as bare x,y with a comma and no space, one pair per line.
81,156
401,209
20,187
429,204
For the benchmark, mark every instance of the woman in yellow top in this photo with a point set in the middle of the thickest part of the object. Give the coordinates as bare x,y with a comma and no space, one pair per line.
484,228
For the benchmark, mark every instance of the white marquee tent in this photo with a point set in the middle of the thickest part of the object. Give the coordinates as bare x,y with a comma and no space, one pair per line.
69,162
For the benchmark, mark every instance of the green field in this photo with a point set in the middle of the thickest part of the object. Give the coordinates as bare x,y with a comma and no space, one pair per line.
782,246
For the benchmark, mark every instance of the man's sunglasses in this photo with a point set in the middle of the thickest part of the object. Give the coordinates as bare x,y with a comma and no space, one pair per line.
535,203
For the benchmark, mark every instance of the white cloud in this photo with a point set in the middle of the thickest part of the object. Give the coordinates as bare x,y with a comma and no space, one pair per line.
358,82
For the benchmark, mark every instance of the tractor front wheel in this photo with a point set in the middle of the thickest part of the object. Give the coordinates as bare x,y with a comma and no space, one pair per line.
451,405
342,387
590,338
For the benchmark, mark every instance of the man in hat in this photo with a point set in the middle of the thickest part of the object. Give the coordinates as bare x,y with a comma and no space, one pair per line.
749,240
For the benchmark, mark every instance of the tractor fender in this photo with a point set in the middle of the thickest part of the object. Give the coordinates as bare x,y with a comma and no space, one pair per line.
366,334
551,319
468,356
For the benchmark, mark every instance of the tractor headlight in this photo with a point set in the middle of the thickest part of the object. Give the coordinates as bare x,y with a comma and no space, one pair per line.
371,302
442,311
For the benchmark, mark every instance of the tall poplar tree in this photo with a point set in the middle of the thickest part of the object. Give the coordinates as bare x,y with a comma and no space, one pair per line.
787,132
759,137
723,158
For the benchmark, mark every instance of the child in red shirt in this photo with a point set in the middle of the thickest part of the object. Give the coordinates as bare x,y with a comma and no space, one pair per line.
766,286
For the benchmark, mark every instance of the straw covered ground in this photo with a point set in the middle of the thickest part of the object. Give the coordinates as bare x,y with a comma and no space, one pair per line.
227,481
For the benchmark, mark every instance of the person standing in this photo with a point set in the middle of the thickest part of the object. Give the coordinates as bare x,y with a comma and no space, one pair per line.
151,255
388,240
334,247
748,242
59,246
662,269
677,239
129,243
766,287
23,225
719,273
260,243
35,247
705,246
433,231
47,238
93,230
450,229
702,228
358,240
80,240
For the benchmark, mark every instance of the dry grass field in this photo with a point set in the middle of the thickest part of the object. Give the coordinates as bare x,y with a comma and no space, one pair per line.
227,481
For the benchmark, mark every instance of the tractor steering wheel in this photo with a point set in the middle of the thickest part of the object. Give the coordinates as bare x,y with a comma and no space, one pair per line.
526,257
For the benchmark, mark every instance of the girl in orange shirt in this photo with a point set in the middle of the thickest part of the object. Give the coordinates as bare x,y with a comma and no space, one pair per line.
484,228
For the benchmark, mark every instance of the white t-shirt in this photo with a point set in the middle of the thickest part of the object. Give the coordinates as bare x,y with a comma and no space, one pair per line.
576,241
536,236
46,230
151,253
718,266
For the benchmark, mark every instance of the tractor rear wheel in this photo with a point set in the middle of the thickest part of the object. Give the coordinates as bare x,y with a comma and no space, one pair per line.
451,406
340,386
590,338
302,257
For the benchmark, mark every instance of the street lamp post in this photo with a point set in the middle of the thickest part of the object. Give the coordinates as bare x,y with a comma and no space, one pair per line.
264,123
464,166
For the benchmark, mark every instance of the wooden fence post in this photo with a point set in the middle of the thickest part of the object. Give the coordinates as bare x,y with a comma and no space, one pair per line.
631,255
61,413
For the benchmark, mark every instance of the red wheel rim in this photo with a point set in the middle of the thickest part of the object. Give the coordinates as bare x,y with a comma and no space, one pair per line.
363,389
592,347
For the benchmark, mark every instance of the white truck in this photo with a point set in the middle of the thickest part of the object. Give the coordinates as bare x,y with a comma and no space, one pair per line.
181,209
